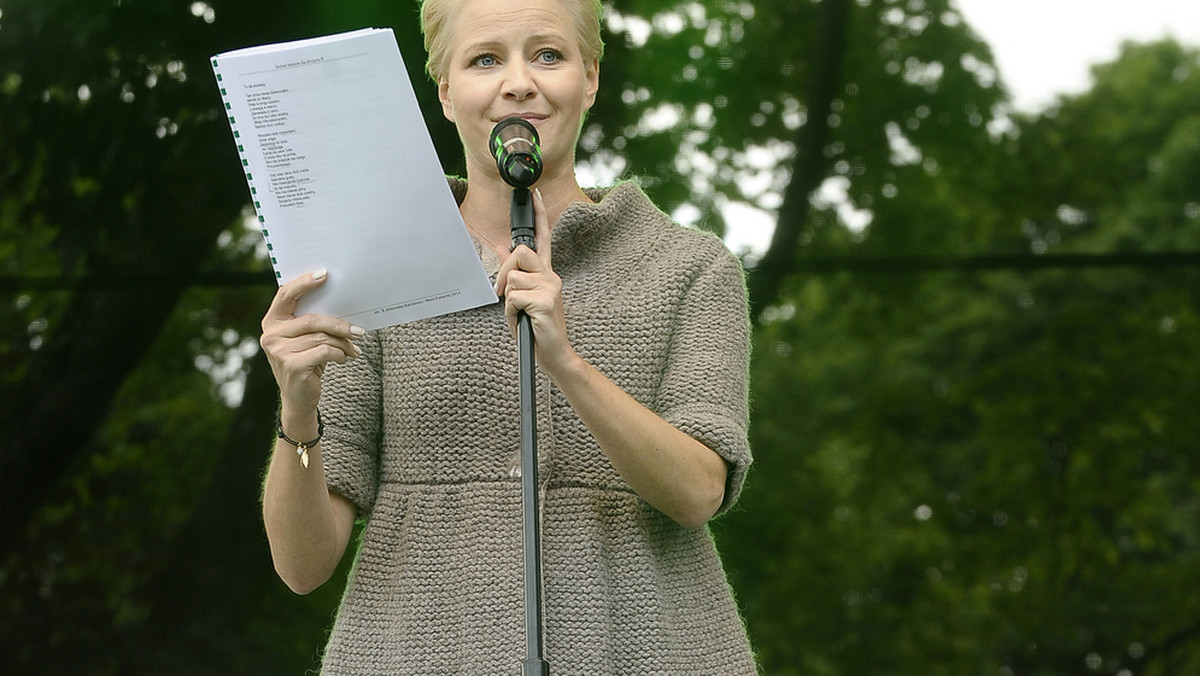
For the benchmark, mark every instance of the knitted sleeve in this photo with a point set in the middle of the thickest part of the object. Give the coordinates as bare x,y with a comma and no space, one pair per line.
350,408
705,388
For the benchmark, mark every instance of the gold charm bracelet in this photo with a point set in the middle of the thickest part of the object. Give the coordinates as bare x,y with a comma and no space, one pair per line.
301,446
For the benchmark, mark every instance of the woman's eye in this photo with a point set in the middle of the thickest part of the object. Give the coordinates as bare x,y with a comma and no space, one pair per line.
484,61
549,56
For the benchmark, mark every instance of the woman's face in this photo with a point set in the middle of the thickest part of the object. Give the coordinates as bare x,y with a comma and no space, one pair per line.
517,57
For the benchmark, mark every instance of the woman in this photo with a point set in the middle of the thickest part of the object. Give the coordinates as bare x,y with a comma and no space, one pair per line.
641,338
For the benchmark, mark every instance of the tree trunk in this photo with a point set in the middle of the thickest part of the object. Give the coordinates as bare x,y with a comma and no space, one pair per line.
73,380
766,278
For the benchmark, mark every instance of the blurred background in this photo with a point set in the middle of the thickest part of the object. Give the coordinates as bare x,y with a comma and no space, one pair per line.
976,375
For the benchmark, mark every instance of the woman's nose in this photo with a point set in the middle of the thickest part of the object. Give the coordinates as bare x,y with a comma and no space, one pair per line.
518,81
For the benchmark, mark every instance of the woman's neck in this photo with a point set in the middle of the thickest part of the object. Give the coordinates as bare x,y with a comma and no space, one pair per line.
488,200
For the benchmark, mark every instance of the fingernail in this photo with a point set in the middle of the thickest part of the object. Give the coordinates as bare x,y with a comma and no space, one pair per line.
358,331
320,274
538,191
357,350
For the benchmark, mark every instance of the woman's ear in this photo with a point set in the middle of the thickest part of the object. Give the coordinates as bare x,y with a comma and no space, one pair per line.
592,76
444,97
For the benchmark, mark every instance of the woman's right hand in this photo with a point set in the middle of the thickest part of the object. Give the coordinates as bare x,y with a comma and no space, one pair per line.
299,347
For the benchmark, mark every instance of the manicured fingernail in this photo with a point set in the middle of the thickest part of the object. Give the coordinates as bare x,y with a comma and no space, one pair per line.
320,274
358,331
357,350
538,192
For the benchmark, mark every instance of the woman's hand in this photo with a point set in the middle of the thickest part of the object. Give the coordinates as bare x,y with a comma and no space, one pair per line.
527,281
307,525
299,347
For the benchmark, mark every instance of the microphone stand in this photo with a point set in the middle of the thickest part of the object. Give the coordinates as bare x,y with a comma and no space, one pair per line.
522,227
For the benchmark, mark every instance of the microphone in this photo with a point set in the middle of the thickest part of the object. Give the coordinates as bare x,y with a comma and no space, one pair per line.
514,144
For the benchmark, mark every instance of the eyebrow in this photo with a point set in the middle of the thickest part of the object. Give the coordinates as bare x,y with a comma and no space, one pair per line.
548,37
490,44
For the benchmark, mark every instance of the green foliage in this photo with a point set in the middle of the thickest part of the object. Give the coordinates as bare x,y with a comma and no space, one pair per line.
100,538
994,472
712,116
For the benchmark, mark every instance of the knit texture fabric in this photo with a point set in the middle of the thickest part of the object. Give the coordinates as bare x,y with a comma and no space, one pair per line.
421,433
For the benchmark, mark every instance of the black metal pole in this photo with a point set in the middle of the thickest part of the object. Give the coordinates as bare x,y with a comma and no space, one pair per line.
521,224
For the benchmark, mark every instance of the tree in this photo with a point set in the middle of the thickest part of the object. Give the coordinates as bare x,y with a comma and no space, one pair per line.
992,472
135,238
119,174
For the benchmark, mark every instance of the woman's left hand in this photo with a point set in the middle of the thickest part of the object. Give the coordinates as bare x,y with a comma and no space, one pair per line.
527,281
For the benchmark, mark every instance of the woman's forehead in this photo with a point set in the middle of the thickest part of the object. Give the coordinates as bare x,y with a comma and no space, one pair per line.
504,20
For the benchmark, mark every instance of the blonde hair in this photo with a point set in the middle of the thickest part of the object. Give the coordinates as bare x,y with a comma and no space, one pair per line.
437,17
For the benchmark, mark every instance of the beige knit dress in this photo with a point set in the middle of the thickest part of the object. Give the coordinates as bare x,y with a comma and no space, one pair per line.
422,435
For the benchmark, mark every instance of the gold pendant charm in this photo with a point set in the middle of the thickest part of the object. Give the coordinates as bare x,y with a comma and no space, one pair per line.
303,453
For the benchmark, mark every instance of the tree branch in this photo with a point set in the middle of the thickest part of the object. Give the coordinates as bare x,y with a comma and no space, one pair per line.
766,279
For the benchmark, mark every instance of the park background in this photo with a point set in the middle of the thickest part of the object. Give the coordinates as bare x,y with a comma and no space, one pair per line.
976,369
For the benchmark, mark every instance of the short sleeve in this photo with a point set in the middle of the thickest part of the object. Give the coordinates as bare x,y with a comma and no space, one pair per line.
351,410
705,388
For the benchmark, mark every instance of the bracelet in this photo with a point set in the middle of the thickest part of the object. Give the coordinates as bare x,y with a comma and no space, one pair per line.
301,446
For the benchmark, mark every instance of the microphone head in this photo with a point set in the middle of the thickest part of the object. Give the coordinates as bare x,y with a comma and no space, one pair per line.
514,145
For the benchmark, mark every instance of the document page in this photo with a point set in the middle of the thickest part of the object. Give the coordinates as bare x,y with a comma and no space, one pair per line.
344,177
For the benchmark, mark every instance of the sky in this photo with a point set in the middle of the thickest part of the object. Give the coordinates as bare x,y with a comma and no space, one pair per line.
1043,48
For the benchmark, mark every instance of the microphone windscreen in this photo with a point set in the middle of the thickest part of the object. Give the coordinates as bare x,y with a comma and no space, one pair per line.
513,134
514,145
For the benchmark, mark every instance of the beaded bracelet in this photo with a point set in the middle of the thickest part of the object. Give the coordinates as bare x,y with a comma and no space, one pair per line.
301,446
